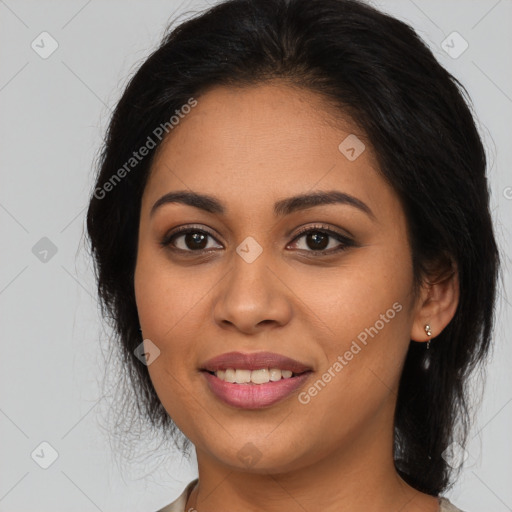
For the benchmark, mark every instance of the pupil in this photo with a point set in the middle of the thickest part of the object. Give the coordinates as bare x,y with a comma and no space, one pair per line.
318,237
195,238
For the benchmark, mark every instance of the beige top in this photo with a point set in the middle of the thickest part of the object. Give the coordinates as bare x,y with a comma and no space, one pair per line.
179,504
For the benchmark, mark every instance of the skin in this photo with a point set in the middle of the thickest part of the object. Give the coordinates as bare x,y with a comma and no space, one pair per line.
250,147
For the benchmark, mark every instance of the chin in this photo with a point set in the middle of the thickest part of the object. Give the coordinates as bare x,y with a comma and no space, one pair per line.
261,456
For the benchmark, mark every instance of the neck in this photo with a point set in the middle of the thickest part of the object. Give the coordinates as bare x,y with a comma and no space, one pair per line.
360,476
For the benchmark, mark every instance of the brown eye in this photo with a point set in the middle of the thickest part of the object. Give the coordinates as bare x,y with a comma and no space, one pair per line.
322,241
317,240
194,241
188,239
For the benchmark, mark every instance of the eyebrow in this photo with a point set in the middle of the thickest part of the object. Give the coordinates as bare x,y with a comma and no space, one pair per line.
282,207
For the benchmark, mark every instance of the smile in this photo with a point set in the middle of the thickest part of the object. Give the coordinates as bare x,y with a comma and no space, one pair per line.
250,395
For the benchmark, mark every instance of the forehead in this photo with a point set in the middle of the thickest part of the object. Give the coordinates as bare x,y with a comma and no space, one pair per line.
264,142
243,122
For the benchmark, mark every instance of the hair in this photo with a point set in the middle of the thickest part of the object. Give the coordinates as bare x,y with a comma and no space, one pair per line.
417,117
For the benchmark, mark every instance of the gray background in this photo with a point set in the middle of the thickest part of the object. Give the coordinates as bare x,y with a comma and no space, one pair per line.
53,114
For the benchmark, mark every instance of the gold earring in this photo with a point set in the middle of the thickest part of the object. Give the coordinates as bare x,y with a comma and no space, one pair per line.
429,333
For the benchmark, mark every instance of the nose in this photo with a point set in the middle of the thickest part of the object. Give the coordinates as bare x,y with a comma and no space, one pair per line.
252,297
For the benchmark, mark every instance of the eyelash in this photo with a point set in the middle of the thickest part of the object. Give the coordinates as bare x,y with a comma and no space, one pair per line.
345,241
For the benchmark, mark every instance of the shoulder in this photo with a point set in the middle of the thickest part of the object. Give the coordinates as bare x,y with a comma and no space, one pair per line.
447,506
178,505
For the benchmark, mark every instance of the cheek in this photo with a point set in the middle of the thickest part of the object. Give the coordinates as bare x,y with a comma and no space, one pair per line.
369,288
368,309
164,293
172,304
167,302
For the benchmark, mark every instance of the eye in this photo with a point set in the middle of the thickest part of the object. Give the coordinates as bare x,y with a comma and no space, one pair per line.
188,239
317,240
321,239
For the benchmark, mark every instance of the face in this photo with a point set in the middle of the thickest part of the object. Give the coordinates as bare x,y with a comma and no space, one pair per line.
325,283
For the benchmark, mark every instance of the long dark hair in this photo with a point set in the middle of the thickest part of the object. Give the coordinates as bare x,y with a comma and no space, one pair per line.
416,116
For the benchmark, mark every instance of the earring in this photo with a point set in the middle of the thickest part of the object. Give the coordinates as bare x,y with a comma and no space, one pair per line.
429,333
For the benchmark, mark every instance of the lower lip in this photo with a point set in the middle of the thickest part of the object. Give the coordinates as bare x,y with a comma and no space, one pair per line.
254,396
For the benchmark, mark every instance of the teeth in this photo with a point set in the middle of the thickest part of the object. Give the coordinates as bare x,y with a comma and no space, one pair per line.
229,376
261,376
242,376
275,374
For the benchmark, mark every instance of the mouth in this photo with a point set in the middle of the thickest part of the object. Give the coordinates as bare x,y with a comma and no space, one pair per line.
254,380
237,388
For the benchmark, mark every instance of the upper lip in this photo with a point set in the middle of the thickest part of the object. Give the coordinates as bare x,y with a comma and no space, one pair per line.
254,361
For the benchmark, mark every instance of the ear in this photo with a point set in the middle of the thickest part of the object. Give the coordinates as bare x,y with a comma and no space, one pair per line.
436,304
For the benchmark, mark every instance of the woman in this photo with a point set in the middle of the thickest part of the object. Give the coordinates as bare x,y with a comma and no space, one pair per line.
292,236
